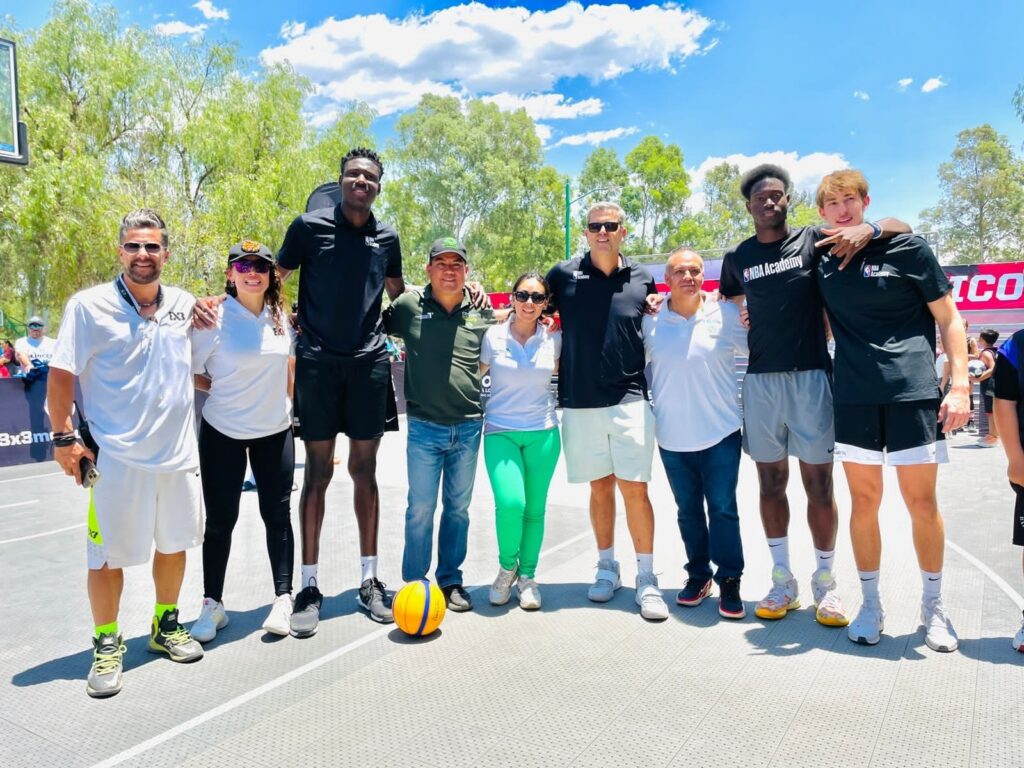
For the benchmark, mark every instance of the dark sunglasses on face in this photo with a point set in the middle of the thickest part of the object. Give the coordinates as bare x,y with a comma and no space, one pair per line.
525,296
35,326
609,226
245,266
151,248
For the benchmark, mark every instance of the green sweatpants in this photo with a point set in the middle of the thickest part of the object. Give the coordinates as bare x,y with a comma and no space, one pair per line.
520,466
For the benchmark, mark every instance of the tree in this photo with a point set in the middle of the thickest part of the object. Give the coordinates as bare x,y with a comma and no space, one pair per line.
980,215
655,199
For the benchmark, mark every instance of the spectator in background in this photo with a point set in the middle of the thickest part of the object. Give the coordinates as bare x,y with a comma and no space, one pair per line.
36,347
7,358
987,355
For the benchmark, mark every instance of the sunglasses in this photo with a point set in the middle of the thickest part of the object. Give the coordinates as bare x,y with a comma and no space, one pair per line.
35,326
245,266
525,296
151,248
609,226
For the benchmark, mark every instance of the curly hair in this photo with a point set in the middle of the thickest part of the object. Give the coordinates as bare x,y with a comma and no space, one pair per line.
761,172
365,152
273,298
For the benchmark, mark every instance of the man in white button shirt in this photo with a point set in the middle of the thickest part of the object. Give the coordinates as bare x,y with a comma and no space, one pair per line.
692,345
129,343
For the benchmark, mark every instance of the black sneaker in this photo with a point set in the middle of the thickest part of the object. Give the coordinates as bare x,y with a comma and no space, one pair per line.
730,605
375,601
168,636
457,598
306,614
694,592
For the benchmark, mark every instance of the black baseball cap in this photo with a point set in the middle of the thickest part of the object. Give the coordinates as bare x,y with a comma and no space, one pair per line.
448,245
247,248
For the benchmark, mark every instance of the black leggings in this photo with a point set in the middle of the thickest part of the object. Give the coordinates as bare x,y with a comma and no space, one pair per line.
222,465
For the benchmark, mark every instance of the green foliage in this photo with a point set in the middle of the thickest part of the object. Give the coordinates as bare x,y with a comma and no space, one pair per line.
980,216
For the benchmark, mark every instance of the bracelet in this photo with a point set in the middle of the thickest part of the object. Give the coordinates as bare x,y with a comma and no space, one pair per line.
64,439
876,229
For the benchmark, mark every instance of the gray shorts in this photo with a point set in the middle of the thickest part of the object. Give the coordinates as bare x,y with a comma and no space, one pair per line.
788,414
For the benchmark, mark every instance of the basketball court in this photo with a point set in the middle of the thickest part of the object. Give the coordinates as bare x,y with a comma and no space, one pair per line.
572,684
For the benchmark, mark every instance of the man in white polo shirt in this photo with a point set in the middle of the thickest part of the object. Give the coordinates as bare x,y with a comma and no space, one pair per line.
35,347
129,344
692,346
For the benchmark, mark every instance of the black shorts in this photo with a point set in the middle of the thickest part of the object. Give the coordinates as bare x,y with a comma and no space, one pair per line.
335,397
895,433
1018,516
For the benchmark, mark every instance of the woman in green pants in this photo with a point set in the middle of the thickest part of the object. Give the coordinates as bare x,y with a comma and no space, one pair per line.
521,442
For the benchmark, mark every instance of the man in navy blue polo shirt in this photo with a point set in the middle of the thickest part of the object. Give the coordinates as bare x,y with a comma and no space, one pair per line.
607,424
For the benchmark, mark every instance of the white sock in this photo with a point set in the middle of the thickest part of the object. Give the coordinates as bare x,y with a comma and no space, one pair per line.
932,584
606,554
309,575
869,585
780,552
644,563
367,568
825,558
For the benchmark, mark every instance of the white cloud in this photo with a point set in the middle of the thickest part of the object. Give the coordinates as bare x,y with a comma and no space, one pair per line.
594,138
176,28
904,82
475,50
933,84
543,132
862,95
292,29
547,106
210,11
806,170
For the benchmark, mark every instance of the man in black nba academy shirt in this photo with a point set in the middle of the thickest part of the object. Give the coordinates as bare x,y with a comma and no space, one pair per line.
787,397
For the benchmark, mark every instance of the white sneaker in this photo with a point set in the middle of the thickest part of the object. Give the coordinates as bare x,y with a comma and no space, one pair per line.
939,634
212,618
529,594
501,589
1018,639
279,619
830,610
867,628
606,581
783,597
648,597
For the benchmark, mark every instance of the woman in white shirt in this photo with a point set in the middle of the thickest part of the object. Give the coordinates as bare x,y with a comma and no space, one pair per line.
521,441
248,364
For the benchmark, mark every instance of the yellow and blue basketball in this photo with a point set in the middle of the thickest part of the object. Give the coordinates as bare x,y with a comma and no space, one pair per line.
418,608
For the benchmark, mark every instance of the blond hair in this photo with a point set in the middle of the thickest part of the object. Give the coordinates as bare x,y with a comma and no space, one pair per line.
847,180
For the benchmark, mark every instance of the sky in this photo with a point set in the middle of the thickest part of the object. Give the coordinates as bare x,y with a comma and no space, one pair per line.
876,85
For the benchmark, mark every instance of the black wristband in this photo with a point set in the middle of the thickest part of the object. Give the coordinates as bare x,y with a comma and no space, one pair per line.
64,439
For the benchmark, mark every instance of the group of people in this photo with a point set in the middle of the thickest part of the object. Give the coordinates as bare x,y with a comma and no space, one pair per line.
139,348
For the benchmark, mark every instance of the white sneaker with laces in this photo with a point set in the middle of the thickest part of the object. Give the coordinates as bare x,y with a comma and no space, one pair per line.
605,582
529,594
783,597
830,611
501,589
648,597
213,617
939,634
867,628
1018,639
279,619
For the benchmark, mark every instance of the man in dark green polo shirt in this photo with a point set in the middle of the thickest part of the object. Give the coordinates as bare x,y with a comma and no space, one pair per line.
442,334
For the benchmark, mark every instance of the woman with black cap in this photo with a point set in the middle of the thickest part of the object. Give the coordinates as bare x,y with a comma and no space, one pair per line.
248,365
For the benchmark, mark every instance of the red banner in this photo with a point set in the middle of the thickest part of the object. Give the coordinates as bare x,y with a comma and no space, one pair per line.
988,286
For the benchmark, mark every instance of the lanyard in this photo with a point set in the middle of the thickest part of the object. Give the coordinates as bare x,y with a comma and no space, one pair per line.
127,296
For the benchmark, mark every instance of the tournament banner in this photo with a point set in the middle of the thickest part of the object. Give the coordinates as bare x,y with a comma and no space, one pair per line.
987,286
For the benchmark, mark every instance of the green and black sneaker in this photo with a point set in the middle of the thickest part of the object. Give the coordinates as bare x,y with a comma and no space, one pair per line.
168,636
107,665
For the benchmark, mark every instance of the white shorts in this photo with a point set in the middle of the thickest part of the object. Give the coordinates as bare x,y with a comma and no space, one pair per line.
131,509
616,440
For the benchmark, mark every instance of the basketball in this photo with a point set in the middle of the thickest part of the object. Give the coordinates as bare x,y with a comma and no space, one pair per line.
418,608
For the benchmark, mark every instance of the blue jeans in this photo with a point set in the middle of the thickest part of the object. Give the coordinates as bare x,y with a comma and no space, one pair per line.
434,450
711,474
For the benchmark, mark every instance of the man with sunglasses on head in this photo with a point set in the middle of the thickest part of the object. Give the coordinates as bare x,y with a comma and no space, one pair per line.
607,424
129,344
36,347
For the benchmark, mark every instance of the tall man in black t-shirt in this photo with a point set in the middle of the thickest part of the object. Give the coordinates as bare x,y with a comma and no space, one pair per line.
883,310
787,396
607,424
347,259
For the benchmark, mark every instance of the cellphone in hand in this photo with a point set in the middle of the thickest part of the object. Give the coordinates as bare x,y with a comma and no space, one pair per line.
90,475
